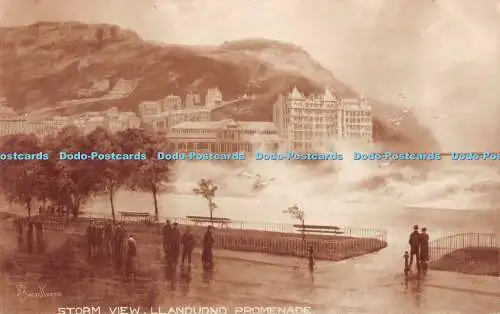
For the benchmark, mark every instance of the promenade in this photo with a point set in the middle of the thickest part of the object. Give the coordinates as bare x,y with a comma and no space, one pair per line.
368,284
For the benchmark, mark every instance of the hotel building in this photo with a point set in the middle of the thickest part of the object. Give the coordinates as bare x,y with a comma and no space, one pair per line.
213,98
224,136
171,102
310,122
147,108
193,100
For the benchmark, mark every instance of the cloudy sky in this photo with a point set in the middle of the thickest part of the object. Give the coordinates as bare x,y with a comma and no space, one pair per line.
440,57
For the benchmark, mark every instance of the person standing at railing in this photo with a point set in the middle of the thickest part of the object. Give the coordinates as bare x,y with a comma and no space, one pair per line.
424,247
175,245
311,257
166,237
208,242
108,238
414,242
29,237
19,228
39,236
131,262
119,245
90,239
187,246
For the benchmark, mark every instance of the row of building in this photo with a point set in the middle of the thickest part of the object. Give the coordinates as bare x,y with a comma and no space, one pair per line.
213,99
300,122
111,119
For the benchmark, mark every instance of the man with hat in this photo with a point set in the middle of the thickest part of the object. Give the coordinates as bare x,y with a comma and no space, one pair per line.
175,244
208,242
167,238
414,242
424,247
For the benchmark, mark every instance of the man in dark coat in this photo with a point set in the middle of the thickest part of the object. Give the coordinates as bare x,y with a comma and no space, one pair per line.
29,237
208,242
39,236
167,238
119,244
175,244
424,246
187,246
19,227
310,256
131,263
414,242
108,238
90,239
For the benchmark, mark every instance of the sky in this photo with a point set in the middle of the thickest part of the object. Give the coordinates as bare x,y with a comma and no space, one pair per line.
438,57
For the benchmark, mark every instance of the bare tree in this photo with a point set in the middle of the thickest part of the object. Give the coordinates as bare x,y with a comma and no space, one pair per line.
207,189
297,213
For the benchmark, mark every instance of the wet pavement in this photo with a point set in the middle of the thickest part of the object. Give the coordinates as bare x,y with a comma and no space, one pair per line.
369,284
373,283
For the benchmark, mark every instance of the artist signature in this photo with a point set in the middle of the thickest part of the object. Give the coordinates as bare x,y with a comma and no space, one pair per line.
40,292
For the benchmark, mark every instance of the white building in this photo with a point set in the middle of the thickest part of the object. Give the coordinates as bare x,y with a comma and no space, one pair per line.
310,122
193,100
147,108
171,102
213,97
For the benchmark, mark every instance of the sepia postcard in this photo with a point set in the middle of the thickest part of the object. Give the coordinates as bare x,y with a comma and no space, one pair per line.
249,156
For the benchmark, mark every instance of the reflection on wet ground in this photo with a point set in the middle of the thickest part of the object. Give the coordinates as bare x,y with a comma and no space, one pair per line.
331,287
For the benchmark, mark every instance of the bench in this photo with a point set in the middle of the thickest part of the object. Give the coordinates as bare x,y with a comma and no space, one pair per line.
223,222
137,216
318,229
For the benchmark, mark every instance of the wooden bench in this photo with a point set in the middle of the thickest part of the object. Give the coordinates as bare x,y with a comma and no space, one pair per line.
223,222
318,229
137,216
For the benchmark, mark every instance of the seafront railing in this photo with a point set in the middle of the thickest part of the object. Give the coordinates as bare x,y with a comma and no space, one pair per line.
280,229
443,246
278,238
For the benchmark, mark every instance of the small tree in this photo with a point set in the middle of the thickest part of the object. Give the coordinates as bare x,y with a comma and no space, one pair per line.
207,189
297,213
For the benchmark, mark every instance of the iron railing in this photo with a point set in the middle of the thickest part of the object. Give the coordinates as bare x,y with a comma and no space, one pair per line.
278,238
443,246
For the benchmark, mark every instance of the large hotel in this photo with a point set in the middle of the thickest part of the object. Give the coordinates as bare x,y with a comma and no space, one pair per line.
309,123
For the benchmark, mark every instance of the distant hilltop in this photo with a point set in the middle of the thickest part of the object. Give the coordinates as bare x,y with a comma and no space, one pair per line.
77,55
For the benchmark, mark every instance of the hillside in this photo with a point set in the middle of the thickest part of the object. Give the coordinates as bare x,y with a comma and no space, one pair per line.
45,63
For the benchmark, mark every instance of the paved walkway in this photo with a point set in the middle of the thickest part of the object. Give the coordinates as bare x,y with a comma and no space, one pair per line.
368,284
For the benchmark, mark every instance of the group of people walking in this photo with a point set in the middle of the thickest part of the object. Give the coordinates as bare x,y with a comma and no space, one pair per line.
34,230
114,242
174,243
419,247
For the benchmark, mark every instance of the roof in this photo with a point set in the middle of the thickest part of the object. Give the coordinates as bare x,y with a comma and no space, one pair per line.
212,125
192,136
259,138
